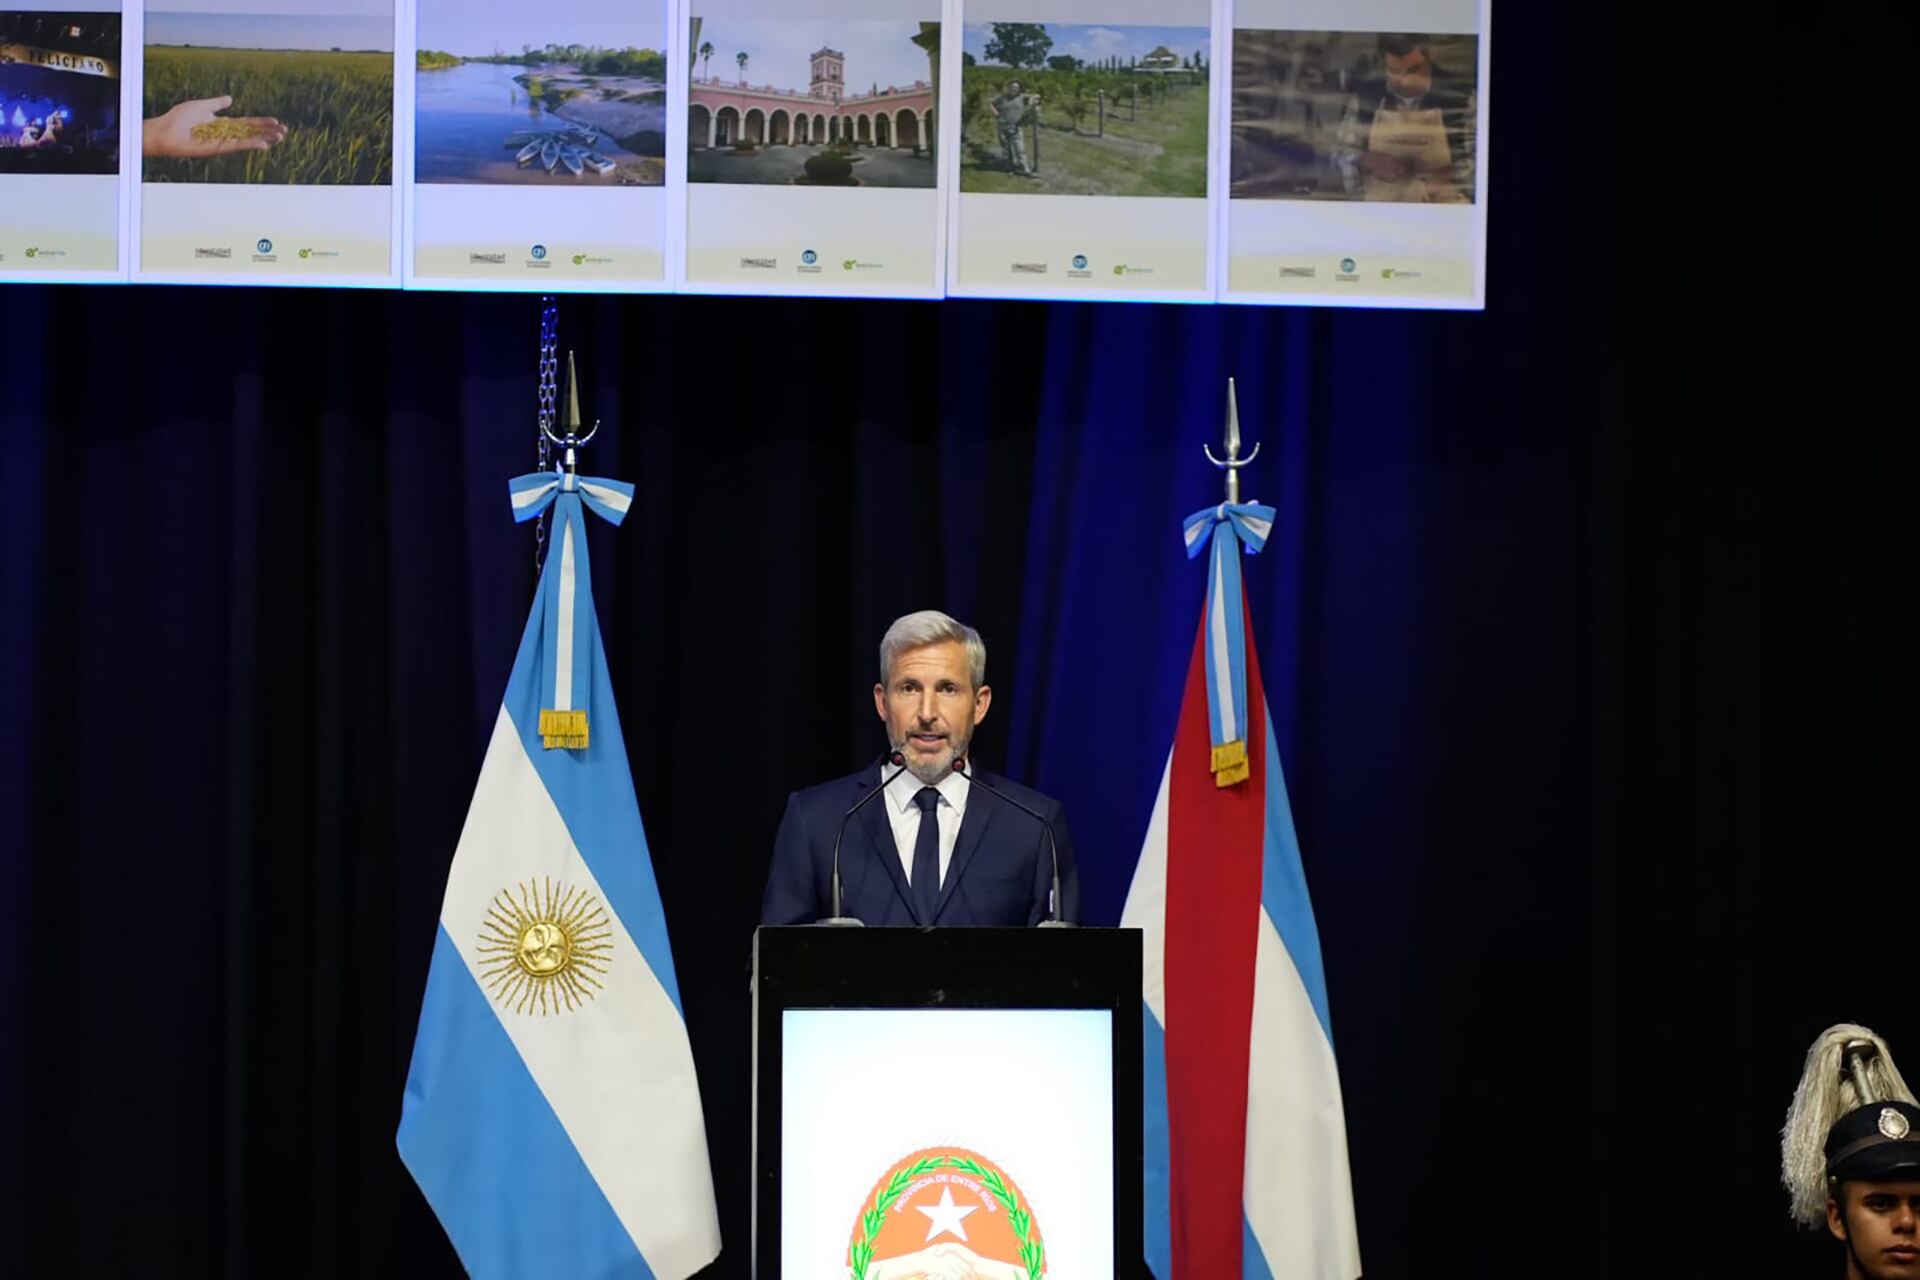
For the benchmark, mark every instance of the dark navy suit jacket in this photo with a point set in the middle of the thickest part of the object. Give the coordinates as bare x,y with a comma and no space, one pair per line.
1000,872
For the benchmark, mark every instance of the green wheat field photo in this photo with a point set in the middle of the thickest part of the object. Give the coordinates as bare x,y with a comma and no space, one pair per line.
316,91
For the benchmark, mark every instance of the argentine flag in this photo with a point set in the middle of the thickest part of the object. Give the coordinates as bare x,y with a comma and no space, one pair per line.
551,1115
1246,1146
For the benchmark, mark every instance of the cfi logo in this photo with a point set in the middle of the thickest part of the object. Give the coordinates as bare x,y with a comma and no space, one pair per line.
809,257
946,1211
579,259
263,245
539,252
846,264
1079,262
306,253
33,251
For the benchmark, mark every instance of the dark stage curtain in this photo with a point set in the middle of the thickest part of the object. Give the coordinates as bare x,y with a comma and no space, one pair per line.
1581,627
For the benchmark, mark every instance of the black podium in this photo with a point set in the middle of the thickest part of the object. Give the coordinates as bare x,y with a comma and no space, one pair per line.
927,1095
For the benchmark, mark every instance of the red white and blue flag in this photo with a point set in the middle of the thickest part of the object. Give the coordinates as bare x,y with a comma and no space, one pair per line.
1246,1144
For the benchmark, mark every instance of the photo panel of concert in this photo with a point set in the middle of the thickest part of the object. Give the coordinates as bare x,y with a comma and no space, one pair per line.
60,143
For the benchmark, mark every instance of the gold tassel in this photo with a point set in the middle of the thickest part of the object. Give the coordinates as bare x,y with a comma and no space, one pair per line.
1230,764
563,729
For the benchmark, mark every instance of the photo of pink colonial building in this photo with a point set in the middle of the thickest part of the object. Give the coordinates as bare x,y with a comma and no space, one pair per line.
725,113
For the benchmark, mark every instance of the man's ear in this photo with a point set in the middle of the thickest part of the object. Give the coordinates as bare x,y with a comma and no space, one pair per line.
880,701
982,699
1836,1216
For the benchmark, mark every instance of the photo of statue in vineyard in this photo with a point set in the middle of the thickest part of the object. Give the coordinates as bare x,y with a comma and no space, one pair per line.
813,102
1101,110
572,95
279,94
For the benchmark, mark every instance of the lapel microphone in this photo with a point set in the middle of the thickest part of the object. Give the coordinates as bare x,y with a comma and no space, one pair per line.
1053,919
893,758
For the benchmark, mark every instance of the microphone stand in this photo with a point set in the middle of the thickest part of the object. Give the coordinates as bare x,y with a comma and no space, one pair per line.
836,919
1054,905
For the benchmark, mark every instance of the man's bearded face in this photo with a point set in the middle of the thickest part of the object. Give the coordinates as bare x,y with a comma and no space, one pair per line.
930,707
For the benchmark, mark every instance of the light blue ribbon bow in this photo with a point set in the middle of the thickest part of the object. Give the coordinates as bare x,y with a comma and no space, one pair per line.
568,632
1234,527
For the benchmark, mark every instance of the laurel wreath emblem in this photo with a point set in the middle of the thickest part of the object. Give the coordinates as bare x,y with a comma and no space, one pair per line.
1032,1252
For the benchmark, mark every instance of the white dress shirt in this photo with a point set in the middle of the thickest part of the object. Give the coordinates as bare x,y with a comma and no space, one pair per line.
904,815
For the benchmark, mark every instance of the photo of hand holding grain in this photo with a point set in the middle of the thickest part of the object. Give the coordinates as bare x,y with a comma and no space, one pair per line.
262,97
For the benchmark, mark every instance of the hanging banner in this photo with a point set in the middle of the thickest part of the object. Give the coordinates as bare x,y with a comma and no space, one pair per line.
267,144
1357,173
60,143
1081,149
811,147
539,144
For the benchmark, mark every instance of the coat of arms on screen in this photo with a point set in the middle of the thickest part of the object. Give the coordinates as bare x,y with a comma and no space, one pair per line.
946,1213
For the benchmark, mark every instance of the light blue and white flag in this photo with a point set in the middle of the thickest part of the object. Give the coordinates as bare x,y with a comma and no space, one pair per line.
551,1115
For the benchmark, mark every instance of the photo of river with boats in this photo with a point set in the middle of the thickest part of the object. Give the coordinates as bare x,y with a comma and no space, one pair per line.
491,106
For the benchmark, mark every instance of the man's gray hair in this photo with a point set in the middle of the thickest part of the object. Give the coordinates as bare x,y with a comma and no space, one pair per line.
930,626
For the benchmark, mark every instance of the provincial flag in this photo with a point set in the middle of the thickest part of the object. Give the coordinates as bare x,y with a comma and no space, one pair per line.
1246,1147
551,1114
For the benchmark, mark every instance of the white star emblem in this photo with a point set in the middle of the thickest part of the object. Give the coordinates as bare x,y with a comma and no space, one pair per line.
945,1216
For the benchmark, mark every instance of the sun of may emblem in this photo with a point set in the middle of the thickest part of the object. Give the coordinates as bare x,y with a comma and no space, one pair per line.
545,948
946,1211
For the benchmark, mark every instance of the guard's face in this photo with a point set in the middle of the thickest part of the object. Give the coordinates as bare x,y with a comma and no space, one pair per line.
930,707
1409,75
1881,1220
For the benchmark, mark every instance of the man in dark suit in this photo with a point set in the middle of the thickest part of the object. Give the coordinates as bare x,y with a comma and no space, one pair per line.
936,847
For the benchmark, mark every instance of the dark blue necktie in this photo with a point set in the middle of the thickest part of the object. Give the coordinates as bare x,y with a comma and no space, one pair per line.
926,856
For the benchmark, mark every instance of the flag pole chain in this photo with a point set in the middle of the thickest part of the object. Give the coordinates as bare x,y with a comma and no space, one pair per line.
549,405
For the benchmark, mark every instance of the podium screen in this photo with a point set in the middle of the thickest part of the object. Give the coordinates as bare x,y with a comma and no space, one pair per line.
945,1142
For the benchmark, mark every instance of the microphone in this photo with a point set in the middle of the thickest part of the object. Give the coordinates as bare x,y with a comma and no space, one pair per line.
893,758
1053,920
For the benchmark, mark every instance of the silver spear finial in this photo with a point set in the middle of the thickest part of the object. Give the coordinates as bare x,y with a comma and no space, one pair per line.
571,423
1232,463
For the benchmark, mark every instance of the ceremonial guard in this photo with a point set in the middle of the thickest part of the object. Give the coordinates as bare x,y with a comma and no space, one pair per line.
1850,1154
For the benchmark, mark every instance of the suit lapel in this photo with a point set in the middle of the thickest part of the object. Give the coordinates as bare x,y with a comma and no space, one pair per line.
973,827
879,832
